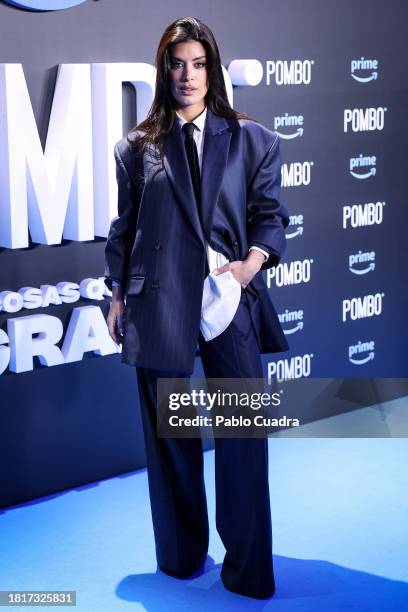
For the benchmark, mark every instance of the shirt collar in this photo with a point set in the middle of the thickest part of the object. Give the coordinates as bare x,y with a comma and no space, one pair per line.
198,121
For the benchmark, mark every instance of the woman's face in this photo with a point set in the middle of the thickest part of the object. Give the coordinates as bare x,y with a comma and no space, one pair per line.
188,73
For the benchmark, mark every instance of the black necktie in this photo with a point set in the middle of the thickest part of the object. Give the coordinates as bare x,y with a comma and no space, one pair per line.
192,156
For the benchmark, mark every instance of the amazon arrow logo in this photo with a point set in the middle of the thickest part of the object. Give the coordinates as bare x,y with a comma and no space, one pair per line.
370,268
44,5
373,77
298,232
369,357
364,176
299,132
298,327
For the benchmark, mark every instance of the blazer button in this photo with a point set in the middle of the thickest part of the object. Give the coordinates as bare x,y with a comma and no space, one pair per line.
155,285
157,246
235,242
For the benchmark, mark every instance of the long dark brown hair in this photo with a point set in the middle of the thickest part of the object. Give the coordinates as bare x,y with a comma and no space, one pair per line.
161,115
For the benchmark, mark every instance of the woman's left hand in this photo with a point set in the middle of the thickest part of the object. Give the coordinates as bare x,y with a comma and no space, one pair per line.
243,271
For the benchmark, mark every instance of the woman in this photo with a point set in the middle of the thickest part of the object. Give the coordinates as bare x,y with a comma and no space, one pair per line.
199,216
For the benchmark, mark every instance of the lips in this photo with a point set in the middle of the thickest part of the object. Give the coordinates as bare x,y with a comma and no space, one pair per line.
188,89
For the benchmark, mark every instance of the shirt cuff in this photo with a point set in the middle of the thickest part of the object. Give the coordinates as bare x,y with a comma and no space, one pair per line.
256,248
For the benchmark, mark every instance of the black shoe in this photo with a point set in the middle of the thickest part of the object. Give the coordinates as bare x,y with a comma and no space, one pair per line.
255,595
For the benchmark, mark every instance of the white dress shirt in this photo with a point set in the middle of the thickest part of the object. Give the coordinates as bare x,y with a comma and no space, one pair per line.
222,292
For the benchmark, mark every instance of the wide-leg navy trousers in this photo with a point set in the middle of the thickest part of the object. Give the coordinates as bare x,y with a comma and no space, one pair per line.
176,482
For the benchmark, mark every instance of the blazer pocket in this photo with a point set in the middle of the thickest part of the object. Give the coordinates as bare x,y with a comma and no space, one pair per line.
135,285
258,281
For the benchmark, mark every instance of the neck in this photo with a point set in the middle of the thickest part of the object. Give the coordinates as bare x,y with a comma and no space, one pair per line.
189,113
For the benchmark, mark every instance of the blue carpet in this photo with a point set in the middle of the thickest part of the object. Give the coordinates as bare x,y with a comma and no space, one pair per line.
340,536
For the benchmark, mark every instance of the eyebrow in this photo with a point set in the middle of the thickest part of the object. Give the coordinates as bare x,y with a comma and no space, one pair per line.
180,60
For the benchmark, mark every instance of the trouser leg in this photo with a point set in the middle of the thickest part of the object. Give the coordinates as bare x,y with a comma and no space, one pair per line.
243,516
176,487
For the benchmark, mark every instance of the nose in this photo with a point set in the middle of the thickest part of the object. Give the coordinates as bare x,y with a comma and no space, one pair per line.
187,72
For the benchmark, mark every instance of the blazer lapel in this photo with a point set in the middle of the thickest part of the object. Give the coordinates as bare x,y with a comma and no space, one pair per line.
176,165
217,138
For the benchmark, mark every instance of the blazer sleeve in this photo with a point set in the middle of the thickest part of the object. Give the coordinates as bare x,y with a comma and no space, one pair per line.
267,217
123,227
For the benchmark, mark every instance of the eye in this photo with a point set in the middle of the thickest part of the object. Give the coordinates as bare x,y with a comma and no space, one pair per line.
200,64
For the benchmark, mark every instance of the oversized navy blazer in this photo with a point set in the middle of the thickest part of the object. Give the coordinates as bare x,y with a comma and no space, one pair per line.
155,246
